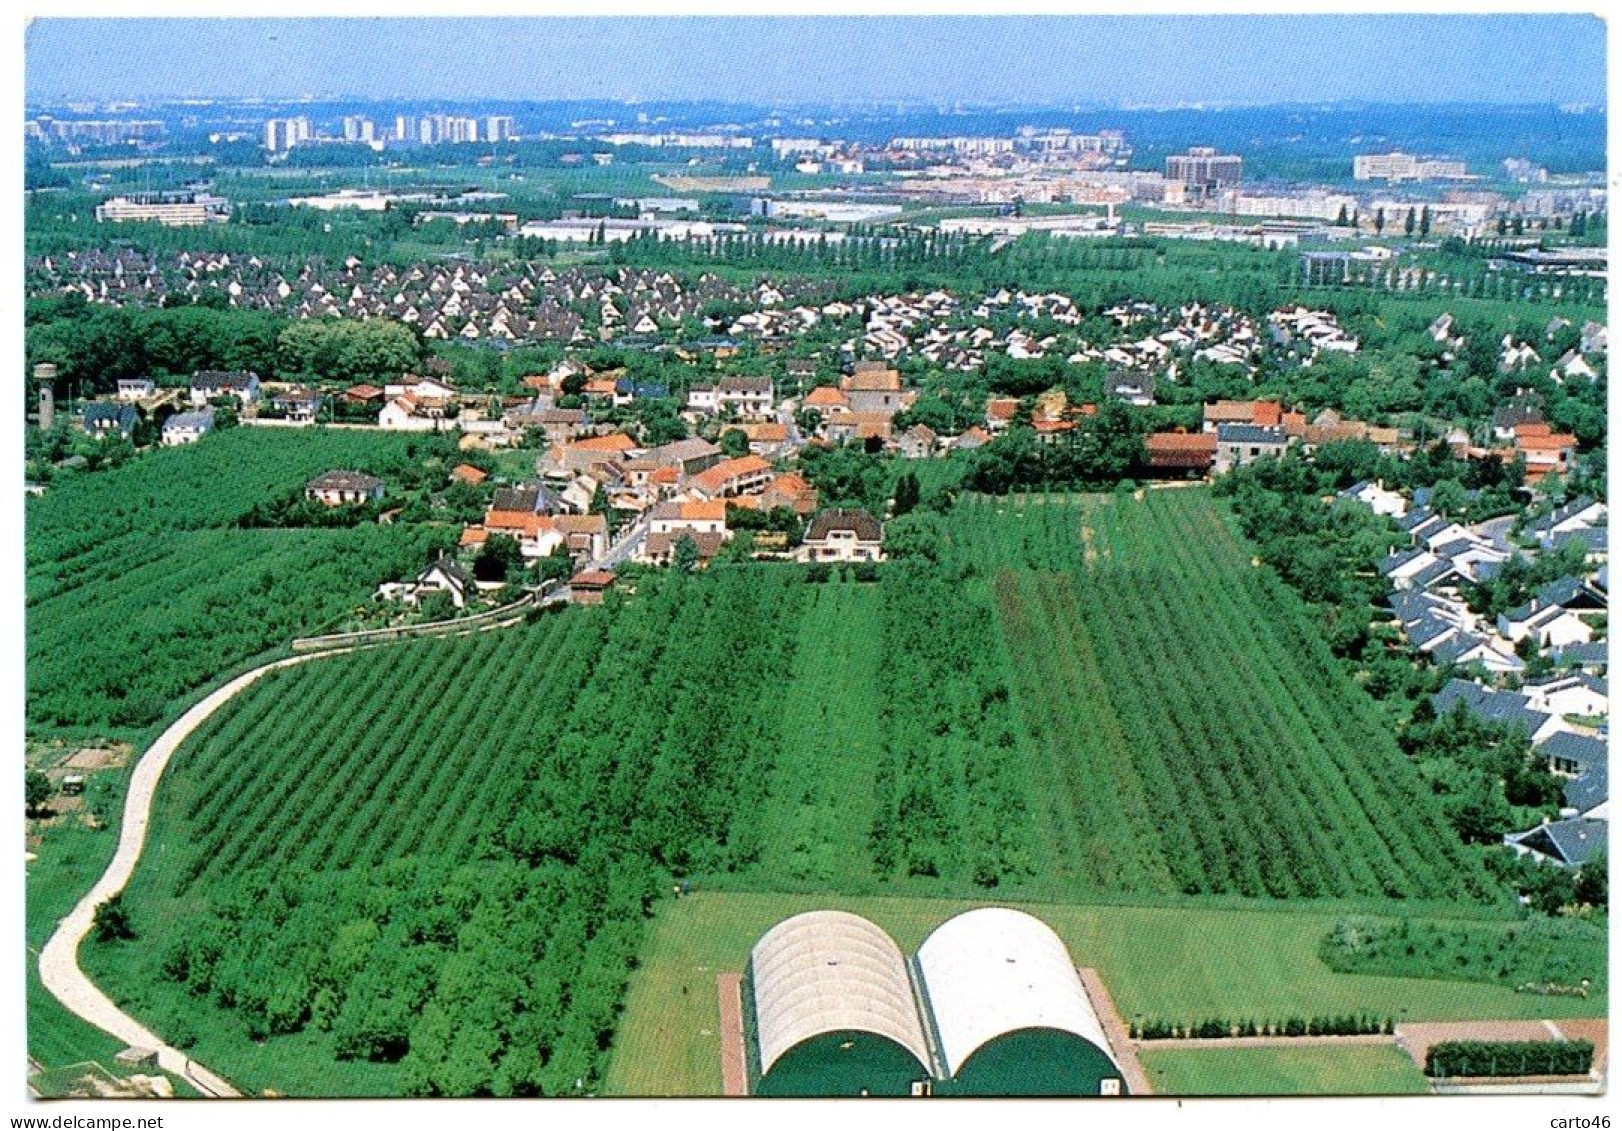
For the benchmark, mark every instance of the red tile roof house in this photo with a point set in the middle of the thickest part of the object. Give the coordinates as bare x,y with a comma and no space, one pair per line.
1181,451
588,586
740,476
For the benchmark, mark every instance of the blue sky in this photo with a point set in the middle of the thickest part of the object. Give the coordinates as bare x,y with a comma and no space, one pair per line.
1144,61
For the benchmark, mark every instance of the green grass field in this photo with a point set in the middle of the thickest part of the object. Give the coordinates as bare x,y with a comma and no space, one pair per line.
1163,962
1358,1070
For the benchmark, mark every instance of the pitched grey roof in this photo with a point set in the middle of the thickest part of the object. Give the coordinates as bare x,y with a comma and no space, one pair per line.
1572,592
1593,654
1394,562
1419,516
1593,538
1449,651
1514,413
449,568
1590,788
1570,842
680,451
344,481
190,421
216,379
867,527
120,416
1250,434
1433,573
525,498
1583,749
1507,708
1411,605
1427,629
1560,514
1431,525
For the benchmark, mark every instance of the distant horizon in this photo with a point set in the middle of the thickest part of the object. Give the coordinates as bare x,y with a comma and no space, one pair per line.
1067,105
1143,62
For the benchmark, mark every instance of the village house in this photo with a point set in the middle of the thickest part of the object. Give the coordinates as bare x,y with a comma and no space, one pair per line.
442,575
568,460
917,442
1375,496
746,396
875,388
1546,452
1521,411
767,438
585,535
295,404
857,427
1571,693
688,457
707,516
1239,444
210,384
136,388
843,535
406,413
588,586
344,488
1262,414
104,421
826,400
1570,754
1181,452
660,549
362,396
1507,708
188,427
791,490
742,476
422,388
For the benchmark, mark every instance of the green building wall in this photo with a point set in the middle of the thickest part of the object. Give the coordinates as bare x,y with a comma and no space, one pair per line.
843,1064
1033,1062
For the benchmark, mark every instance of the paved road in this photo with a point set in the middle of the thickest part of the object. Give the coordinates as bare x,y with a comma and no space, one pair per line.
630,542
59,960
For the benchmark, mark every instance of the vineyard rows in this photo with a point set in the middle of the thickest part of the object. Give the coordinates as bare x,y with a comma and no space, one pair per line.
139,588
600,748
1200,735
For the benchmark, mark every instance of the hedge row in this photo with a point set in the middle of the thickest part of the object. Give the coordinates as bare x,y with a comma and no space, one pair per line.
1509,1058
1347,1025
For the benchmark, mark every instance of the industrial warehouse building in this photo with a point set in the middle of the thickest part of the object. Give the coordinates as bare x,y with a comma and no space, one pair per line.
991,1005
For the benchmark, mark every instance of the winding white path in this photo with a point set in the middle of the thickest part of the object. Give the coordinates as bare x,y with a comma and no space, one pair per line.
59,960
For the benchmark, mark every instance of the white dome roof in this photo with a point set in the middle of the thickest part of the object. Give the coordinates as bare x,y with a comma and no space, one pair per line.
995,970
828,971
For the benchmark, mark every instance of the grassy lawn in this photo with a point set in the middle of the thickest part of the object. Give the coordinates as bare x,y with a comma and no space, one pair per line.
1360,1070
1166,962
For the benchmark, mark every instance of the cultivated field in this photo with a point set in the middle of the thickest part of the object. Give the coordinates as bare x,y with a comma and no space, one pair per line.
140,588
424,868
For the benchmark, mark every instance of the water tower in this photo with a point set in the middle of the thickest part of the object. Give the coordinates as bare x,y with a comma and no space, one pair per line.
45,375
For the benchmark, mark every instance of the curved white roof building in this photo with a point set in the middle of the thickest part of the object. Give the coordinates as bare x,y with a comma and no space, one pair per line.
996,971
828,972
